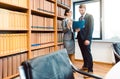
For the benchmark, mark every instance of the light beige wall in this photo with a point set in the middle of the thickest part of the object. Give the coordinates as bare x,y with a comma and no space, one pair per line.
101,52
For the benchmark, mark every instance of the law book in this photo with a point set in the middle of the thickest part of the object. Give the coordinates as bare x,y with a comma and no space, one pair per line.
14,2
17,61
40,22
78,24
7,44
22,3
10,43
1,44
14,65
34,21
41,6
5,68
22,57
26,43
32,4
9,66
52,7
25,56
1,69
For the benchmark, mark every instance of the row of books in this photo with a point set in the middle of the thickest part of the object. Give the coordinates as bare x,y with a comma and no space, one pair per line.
12,20
60,11
41,38
40,22
9,65
21,3
60,37
64,2
60,46
59,24
43,51
11,43
43,5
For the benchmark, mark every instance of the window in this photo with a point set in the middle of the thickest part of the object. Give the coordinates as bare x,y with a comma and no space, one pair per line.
111,20
94,9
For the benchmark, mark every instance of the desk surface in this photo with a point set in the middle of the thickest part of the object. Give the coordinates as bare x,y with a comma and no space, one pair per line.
114,72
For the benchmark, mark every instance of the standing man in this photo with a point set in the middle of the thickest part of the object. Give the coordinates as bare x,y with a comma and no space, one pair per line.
84,38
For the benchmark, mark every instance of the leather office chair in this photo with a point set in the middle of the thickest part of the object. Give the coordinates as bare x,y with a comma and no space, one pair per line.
116,51
55,65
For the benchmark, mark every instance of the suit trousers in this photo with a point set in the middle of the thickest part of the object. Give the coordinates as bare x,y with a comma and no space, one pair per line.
86,54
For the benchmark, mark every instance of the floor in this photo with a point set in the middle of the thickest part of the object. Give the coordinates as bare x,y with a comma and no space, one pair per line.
100,69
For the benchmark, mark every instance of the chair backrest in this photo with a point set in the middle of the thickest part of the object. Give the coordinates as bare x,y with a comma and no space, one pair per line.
52,66
116,48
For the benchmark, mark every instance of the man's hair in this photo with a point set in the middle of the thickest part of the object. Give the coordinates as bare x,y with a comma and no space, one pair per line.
82,6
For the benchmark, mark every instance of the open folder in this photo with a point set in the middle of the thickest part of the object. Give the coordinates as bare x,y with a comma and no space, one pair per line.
78,24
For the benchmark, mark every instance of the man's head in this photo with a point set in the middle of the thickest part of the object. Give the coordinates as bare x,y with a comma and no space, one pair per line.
82,9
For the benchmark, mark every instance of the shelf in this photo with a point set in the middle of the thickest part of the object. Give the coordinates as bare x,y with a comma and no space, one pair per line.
43,13
47,30
12,76
63,6
12,7
13,30
60,30
47,35
5,55
60,17
53,1
43,46
59,43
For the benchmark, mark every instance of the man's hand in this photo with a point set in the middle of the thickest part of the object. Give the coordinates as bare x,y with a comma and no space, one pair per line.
77,30
87,42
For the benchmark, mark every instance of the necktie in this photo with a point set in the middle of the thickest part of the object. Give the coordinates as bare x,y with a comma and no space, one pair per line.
81,18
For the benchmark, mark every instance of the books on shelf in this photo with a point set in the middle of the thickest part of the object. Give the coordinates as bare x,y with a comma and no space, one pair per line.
40,22
12,43
42,51
9,64
12,20
38,39
21,3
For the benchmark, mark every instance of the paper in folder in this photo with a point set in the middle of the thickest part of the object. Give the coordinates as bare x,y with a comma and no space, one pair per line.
78,24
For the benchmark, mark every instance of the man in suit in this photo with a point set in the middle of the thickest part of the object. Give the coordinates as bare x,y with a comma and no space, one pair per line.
84,38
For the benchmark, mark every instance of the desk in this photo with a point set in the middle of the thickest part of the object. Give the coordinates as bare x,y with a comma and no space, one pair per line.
114,72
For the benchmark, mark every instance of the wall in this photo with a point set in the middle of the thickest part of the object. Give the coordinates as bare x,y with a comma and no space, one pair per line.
101,52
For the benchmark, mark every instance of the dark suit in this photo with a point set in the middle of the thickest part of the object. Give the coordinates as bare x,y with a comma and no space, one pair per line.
68,38
86,34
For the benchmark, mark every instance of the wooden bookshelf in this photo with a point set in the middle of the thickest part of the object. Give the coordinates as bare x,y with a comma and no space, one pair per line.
28,28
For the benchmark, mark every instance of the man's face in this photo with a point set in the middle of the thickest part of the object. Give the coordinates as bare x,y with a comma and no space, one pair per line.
82,10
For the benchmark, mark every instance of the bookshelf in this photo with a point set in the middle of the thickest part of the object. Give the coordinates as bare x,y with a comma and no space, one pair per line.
28,28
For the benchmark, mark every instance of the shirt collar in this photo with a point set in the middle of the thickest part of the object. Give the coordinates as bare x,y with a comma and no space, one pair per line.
84,14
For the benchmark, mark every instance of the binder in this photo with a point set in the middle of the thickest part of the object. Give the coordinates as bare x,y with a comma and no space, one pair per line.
78,24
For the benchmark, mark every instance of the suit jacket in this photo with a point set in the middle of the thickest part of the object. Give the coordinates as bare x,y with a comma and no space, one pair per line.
68,34
87,31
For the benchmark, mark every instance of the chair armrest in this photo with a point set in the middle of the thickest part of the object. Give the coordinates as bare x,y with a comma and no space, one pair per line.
84,73
22,72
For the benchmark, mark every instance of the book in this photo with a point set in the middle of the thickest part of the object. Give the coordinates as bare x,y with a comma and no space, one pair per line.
78,24
1,68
